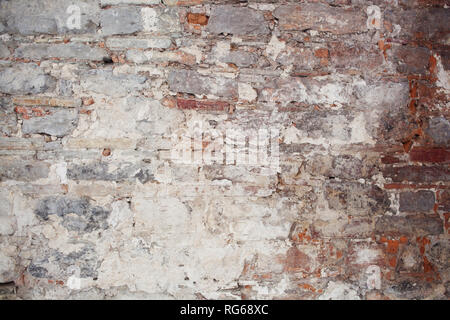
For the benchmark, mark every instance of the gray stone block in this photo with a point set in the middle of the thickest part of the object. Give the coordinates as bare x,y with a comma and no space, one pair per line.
239,21
63,51
48,16
59,123
25,79
122,20
23,170
187,81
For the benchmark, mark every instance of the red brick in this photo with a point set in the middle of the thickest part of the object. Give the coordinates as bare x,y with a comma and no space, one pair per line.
197,18
46,101
185,2
389,160
423,154
297,261
321,53
410,60
345,56
204,105
22,111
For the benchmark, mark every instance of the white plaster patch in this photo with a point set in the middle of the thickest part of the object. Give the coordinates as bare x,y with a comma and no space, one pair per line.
61,172
359,132
274,47
374,18
339,291
367,255
246,92
195,51
442,75
150,19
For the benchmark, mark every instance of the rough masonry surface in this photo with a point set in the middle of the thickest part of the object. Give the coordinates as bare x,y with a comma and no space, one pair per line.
92,93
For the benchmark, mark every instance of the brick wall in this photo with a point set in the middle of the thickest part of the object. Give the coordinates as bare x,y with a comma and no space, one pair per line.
93,205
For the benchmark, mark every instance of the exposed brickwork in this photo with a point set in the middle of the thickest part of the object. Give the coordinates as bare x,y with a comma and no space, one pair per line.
359,207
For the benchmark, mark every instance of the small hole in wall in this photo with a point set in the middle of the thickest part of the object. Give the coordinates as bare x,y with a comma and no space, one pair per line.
106,152
107,60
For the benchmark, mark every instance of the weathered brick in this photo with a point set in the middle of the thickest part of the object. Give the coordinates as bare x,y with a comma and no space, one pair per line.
358,228
187,81
321,17
439,130
344,56
46,101
422,3
423,154
356,199
25,79
395,126
238,21
203,105
197,18
62,51
417,173
410,60
439,255
432,23
342,166
182,2
444,200
390,159
302,58
417,225
420,201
